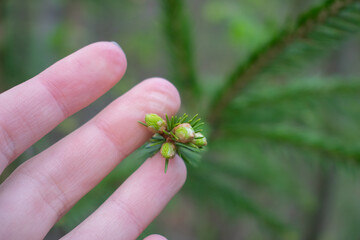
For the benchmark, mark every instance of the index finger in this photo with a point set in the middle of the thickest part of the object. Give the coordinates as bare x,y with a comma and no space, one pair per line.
33,108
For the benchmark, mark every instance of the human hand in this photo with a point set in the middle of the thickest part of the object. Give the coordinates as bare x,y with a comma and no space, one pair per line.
39,192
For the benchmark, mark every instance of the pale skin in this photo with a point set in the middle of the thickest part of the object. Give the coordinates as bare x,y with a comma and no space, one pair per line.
41,190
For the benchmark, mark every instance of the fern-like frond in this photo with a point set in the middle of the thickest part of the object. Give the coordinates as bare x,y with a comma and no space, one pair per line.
314,33
279,182
300,138
299,90
240,173
209,190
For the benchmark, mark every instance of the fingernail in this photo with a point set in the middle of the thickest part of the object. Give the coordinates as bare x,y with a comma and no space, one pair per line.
116,44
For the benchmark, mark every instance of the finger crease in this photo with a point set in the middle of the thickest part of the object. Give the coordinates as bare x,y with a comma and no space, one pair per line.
130,215
103,127
8,148
54,197
56,94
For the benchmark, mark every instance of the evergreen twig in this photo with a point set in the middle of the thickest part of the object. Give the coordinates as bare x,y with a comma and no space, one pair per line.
300,90
179,38
299,138
306,31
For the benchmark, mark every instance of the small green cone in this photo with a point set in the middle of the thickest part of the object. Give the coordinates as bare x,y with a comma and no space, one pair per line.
155,123
184,132
168,150
199,140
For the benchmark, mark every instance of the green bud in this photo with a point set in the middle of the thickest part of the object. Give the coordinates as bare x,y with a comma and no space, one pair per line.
199,140
155,123
168,150
184,132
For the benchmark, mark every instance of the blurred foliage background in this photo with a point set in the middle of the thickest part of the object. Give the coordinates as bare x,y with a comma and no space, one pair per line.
278,83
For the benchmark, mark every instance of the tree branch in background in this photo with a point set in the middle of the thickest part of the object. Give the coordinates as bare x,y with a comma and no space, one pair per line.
314,32
299,138
179,38
313,89
232,200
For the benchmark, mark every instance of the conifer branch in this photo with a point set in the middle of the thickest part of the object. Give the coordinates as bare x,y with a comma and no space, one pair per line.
301,138
179,38
305,31
313,89
234,201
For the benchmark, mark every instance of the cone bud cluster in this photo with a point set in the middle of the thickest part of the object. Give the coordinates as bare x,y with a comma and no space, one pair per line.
175,135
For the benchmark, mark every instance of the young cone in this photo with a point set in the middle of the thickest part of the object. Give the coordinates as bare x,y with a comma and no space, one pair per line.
184,132
168,150
155,123
199,140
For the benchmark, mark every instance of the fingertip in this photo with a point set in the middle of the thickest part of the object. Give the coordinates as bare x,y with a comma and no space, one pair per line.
113,56
155,237
168,92
80,78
